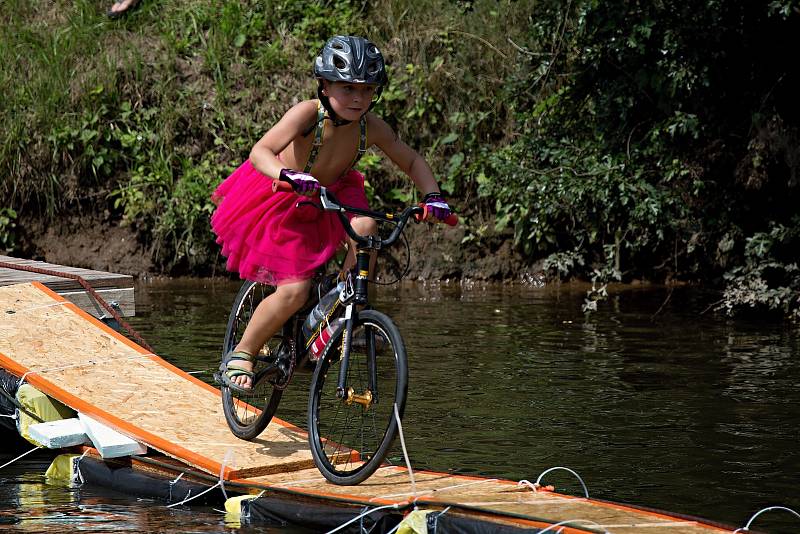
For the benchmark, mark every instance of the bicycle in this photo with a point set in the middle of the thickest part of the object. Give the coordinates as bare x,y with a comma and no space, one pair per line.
359,375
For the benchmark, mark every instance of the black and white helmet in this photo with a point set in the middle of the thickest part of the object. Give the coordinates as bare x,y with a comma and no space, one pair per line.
346,58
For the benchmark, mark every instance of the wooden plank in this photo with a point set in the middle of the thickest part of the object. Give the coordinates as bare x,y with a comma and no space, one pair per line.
111,287
107,441
97,279
59,434
124,297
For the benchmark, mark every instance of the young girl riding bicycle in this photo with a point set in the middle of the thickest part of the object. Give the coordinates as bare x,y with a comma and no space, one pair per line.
273,237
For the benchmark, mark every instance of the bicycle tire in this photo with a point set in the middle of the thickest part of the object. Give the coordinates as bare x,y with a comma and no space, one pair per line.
248,414
331,442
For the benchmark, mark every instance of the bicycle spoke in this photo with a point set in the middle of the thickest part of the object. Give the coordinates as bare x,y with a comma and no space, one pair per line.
247,414
357,423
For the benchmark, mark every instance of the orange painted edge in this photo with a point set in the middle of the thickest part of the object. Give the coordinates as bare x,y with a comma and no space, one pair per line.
141,350
45,386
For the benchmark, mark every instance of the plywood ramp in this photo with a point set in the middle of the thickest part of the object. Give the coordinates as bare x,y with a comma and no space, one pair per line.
71,356
476,495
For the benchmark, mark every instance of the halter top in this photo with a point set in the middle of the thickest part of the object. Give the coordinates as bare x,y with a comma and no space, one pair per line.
319,135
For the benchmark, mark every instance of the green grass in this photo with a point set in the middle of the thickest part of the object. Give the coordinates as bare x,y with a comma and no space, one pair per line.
123,112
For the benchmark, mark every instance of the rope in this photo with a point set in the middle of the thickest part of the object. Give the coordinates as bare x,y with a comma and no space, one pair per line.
227,459
436,490
74,365
405,452
188,498
767,509
78,466
117,317
574,521
356,518
172,483
18,457
436,519
220,483
19,406
539,480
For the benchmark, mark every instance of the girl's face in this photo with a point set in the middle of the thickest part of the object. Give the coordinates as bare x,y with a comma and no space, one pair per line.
349,100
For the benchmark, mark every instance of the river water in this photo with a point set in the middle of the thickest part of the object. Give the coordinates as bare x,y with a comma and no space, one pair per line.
650,400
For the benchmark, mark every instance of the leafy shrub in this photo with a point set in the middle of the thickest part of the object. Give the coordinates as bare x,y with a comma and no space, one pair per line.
769,279
7,229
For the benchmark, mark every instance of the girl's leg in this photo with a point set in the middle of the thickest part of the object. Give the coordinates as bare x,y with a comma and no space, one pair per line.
363,226
269,316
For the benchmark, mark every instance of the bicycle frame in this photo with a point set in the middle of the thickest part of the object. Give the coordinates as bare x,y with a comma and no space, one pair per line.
365,245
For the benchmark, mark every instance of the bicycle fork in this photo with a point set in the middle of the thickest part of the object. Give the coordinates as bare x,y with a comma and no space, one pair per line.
348,394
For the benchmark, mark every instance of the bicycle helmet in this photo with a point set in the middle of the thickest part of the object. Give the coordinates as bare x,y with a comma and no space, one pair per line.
346,58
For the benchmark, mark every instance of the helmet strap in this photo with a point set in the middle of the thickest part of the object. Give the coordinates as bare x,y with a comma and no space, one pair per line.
375,98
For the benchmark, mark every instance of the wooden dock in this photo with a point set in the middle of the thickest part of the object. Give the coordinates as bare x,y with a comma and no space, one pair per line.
114,288
69,355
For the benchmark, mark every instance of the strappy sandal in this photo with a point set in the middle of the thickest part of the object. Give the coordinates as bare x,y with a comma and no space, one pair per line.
228,370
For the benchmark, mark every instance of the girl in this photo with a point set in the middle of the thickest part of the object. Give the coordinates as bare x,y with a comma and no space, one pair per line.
265,235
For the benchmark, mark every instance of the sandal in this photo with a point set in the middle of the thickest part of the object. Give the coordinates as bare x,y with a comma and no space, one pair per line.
228,370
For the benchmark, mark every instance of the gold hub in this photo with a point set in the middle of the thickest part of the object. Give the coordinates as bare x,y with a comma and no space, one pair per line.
364,399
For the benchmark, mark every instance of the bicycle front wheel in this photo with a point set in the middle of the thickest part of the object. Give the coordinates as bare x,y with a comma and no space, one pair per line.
351,436
248,414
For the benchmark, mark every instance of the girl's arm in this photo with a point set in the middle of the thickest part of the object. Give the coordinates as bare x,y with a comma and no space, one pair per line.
404,157
264,155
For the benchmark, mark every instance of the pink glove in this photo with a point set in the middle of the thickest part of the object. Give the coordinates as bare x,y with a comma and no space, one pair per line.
302,183
436,206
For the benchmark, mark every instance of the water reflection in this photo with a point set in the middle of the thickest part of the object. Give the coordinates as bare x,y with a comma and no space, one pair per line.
650,401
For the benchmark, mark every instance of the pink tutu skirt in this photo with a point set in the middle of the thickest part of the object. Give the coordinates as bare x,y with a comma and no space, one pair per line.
266,237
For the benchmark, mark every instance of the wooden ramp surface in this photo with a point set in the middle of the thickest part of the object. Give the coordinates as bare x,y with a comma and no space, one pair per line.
490,496
112,287
75,358
95,370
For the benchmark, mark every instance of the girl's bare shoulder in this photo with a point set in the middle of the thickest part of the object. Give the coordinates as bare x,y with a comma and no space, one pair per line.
378,130
302,111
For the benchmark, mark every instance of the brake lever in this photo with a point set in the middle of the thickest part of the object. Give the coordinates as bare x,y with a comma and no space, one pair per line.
329,200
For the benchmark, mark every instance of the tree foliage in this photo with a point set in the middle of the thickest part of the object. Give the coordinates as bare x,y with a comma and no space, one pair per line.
613,139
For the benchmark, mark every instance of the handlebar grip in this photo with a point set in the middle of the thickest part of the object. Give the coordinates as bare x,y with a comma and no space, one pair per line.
278,185
451,219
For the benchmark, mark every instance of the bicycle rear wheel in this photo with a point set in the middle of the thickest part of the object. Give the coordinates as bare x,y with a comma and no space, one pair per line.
248,414
350,437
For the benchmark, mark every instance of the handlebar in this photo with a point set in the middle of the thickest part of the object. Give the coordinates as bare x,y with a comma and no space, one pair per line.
329,202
